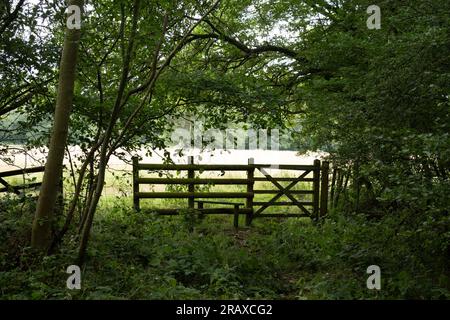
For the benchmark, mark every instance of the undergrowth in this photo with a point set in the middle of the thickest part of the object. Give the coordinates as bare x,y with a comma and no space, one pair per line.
140,256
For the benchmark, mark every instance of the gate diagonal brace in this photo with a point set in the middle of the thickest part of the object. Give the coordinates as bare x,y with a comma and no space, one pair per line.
283,191
9,187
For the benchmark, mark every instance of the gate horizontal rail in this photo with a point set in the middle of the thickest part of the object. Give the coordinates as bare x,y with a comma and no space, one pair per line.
187,195
219,167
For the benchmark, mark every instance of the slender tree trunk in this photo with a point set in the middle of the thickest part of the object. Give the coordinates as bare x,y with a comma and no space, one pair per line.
104,156
73,205
41,232
108,148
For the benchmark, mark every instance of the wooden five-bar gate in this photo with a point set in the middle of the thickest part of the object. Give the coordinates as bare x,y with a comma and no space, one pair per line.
316,175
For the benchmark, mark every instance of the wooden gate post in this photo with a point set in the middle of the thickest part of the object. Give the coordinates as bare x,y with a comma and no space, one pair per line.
250,184
324,189
136,203
191,187
236,216
333,185
316,189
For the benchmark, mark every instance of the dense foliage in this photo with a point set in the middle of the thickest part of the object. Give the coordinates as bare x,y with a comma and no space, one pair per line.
140,257
376,100
382,108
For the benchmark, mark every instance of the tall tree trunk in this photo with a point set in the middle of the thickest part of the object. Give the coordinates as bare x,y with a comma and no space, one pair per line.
41,232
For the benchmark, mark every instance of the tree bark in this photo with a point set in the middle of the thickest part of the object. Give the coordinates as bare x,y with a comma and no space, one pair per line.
41,231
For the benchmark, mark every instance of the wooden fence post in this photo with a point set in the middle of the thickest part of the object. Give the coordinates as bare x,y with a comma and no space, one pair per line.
236,216
333,186
200,209
324,189
191,186
316,189
339,186
250,184
136,203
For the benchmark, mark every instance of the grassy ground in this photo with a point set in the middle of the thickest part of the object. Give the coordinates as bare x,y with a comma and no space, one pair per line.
140,256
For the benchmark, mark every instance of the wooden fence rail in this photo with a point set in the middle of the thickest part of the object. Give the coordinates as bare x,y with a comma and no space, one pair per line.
250,208
19,189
